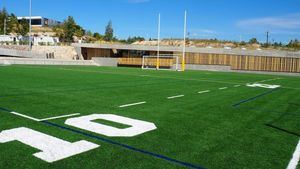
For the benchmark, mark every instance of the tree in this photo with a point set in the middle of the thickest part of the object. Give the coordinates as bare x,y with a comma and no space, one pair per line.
98,36
294,44
253,41
135,39
59,32
88,33
69,29
79,32
23,27
109,32
12,24
3,17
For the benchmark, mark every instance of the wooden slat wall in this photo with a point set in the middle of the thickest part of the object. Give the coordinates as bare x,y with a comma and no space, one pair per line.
93,52
238,62
164,62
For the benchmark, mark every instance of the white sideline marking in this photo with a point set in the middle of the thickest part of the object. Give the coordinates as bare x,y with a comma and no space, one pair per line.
132,104
223,88
38,120
206,91
296,157
237,86
173,97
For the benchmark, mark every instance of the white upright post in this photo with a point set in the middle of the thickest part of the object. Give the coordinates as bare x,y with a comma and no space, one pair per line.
29,25
184,39
158,43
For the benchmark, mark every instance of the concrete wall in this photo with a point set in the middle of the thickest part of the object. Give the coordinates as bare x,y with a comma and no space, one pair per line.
106,61
21,53
60,52
23,61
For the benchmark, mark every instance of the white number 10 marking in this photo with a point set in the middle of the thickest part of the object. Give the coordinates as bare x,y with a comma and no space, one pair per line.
54,149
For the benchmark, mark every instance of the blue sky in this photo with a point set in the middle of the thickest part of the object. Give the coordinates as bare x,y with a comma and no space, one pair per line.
222,19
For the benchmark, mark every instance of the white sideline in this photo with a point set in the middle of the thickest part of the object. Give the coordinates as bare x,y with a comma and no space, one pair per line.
132,104
173,97
206,91
236,85
39,120
223,88
296,157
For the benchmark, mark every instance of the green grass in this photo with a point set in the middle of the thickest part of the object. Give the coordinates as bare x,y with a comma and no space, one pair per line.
201,129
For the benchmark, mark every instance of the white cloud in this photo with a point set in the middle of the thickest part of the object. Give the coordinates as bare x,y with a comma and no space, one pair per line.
291,21
202,33
138,1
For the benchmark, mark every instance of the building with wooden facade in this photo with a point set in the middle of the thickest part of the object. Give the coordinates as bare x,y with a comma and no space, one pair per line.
236,59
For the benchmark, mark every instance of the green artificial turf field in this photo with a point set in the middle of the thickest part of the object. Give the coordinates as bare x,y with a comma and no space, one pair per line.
230,125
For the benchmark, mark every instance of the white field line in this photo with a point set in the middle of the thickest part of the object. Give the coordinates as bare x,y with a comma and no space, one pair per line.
223,88
24,116
132,104
206,91
173,97
236,85
38,120
296,157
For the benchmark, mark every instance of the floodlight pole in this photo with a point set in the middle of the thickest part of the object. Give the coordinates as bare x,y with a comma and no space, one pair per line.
184,41
158,43
29,40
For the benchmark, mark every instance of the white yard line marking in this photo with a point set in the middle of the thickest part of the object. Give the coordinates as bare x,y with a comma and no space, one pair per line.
24,116
296,157
173,97
236,85
145,75
206,91
38,120
132,104
223,88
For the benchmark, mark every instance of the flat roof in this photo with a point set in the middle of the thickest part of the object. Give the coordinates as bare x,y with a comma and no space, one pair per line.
28,17
235,51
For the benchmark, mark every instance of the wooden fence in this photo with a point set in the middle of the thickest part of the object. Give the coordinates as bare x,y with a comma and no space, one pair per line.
163,62
237,62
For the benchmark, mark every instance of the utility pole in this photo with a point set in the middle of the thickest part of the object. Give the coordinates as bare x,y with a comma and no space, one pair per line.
267,38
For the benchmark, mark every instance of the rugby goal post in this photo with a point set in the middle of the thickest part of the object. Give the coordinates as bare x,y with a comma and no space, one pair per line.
161,62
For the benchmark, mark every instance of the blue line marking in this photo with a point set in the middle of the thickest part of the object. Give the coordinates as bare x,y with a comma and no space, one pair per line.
253,98
185,164
6,110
